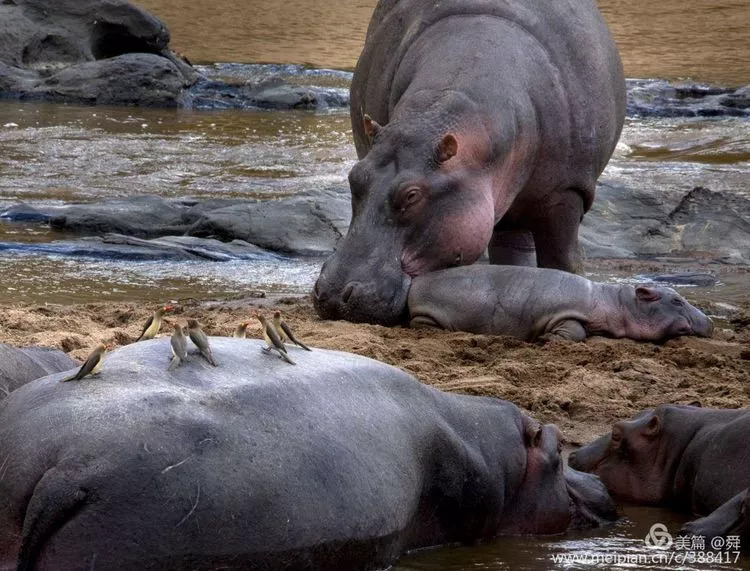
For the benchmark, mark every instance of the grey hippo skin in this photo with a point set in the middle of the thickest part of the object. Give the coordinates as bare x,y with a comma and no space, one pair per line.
732,518
687,457
18,366
534,303
492,121
341,462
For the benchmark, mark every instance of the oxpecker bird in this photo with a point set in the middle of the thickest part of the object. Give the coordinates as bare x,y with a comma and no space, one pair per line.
201,341
272,339
152,326
179,347
93,364
285,333
241,331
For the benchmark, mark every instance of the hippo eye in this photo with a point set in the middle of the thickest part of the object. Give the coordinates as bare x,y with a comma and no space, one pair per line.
677,302
408,197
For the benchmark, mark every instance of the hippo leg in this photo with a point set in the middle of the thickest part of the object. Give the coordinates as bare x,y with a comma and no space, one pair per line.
512,248
555,230
731,518
568,329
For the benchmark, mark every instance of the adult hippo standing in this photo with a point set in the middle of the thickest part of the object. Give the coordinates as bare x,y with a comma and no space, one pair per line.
478,124
338,463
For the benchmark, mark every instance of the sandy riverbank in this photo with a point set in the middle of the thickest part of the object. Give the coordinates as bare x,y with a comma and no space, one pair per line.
583,387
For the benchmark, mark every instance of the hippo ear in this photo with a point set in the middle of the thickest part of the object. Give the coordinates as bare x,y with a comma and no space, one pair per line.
532,432
653,427
447,148
371,127
644,293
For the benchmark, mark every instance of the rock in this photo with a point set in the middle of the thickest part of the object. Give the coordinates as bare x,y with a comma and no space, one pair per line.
302,225
659,98
701,224
19,366
697,279
266,94
141,216
131,79
129,248
308,225
88,51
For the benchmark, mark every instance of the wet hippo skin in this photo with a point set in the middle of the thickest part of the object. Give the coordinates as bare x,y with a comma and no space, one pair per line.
687,457
339,462
477,123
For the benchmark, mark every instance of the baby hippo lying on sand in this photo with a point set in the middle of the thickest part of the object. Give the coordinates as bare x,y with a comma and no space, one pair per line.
538,303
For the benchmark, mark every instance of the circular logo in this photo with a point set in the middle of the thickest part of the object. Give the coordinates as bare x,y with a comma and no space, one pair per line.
658,537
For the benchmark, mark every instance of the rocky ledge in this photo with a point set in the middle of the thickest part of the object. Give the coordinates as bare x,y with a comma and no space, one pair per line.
110,52
624,223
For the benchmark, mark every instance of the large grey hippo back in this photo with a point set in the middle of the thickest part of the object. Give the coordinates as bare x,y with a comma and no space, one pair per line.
580,50
339,463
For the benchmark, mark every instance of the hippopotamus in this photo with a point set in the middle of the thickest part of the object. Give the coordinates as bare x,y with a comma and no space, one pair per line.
479,125
685,457
339,462
543,304
21,365
731,518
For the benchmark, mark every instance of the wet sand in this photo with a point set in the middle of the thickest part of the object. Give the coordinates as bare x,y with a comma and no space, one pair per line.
582,387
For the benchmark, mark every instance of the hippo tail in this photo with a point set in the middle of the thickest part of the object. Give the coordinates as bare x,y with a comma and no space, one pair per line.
54,502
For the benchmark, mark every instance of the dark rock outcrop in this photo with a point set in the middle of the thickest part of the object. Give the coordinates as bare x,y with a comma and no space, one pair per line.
129,248
88,51
19,366
111,52
301,225
296,225
701,224
623,223
659,98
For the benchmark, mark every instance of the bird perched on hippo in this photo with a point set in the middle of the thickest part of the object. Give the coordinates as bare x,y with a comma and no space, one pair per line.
475,122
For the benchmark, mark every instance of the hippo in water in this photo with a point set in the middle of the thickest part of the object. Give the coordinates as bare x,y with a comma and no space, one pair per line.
534,303
341,462
731,518
687,457
479,124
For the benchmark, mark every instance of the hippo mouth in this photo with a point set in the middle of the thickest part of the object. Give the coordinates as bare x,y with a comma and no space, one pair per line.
590,504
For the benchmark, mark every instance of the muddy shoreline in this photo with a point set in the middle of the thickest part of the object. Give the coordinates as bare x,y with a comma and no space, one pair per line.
582,387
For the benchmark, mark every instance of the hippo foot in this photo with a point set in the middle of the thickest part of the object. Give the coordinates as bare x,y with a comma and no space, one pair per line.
424,322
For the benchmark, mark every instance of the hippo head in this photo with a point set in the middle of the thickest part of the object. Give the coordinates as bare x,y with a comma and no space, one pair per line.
553,498
657,313
417,206
630,460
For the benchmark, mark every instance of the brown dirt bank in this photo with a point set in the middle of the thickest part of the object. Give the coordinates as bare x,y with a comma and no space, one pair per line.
583,387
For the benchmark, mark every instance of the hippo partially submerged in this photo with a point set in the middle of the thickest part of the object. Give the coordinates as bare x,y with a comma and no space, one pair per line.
533,303
477,123
686,457
341,462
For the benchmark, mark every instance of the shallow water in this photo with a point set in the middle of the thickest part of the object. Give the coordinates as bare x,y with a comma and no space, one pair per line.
58,154
619,546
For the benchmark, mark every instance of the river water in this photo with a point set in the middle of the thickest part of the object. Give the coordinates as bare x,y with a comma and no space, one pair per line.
57,154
